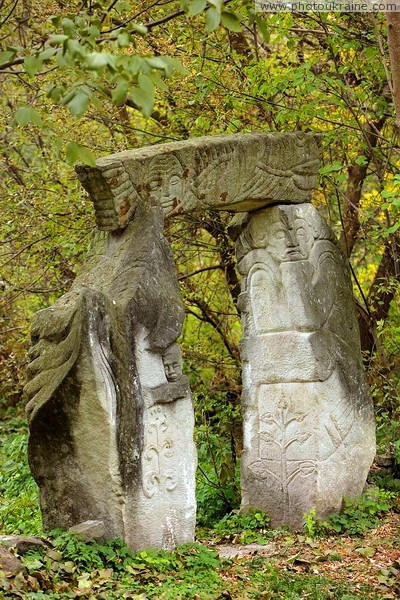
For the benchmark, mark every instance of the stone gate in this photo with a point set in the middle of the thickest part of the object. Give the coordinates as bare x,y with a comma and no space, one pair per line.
110,412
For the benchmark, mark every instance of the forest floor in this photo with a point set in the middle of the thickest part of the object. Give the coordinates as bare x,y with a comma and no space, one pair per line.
289,566
354,554
370,563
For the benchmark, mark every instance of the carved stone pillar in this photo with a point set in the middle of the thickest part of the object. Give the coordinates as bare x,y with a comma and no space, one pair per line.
110,413
309,437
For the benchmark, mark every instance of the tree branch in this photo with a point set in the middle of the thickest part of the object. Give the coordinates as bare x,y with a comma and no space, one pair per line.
207,316
214,225
9,14
12,63
183,277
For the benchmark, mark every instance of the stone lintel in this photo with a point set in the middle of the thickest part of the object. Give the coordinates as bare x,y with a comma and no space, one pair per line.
238,173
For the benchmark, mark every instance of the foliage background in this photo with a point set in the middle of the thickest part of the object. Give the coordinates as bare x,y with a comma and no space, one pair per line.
83,79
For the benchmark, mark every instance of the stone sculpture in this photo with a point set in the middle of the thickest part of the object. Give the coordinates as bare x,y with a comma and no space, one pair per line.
110,413
309,436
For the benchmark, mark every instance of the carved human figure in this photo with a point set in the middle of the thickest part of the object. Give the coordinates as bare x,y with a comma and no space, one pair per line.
165,174
172,361
290,239
280,254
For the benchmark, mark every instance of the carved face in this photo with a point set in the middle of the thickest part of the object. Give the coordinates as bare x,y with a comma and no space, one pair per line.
172,362
291,241
166,182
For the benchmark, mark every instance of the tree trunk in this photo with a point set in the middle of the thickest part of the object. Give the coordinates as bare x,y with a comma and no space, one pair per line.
380,296
393,21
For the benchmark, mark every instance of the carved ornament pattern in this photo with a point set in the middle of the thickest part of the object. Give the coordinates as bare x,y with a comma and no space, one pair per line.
159,448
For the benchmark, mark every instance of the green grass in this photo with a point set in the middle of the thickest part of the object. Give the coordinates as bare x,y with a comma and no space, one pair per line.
19,504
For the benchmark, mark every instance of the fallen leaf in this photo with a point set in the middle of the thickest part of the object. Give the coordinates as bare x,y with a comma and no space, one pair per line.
19,582
291,559
69,566
54,555
367,552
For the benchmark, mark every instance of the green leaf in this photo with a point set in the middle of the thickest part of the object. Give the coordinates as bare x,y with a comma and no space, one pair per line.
391,229
361,160
56,92
335,166
33,564
78,103
135,64
76,152
68,27
68,97
251,14
86,156
217,4
213,18
197,6
230,21
6,56
367,552
93,31
370,52
158,82
57,40
25,115
160,63
96,61
118,95
263,29
32,65
75,49
72,152
60,59
175,65
124,39
143,100
139,28
146,84
47,54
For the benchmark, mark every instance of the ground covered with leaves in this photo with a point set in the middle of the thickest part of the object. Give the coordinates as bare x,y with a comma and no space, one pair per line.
275,564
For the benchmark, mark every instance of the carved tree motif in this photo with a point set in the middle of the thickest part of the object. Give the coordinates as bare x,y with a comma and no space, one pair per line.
278,432
159,448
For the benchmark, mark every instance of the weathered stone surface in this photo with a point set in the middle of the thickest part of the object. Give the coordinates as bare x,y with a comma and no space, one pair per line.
308,419
239,551
110,413
228,172
21,543
89,530
9,563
